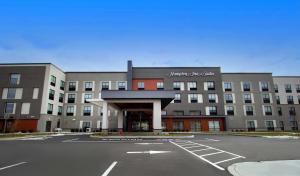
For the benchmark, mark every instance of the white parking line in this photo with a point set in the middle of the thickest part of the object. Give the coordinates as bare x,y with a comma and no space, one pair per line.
109,168
6,167
192,146
211,154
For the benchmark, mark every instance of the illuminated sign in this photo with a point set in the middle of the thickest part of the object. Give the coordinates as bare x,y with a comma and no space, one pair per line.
191,74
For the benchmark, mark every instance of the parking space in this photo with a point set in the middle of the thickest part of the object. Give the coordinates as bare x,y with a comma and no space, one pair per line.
82,155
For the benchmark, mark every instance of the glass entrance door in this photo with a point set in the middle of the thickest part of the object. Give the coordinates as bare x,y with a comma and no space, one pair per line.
195,126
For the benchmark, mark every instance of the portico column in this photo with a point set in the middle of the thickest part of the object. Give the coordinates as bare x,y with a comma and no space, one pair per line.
157,116
120,121
105,117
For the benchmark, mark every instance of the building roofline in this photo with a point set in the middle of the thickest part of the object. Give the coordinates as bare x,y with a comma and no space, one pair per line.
172,67
286,76
224,73
95,72
28,63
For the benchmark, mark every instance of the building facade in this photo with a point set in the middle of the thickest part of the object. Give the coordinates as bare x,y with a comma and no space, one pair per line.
42,97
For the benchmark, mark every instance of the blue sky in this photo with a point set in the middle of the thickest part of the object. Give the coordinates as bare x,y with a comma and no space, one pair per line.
95,35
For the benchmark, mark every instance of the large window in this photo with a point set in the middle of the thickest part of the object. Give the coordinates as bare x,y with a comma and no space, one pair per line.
247,98
193,98
15,79
50,108
88,86
71,98
61,97
230,110
141,86
227,86
105,85
276,88
228,98
178,125
196,125
122,85
290,99
87,96
160,86
212,98
268,110
266,98
9,108
251,125
298,88
249,110
52,80
210,85
288,88
87,110
192,85
72,86
246,86
214,125
51,94
178,113
292,111
270,125
60,110
11,93
277,99
177,98
176,85
212,110
195,113
70,111
62,85
264,86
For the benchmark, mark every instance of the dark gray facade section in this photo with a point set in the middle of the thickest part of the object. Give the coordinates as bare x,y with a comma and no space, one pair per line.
129,75
165,74
31,77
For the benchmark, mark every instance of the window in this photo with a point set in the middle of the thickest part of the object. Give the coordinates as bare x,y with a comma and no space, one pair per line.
141,85
264,86
288,88
71,98
193,98
61,97
210,85
70,111
266,98
9,108
247,98
230,110
298,88
87,110
87,96
62,85
214,125
299,99
270,125
51,94
268,110
195,125
228,98
292,111
178,113
35,94
176,85
279,110
122,85
192,85
195,113
72,86
15,79
276,88
290,99
25,108
227,86
50,108
52,80
11,93
251,125
60,110
294,125
249,110
277,99
212,98
178,125
246,86
281,125
177,98
88,86
160,86
105,85
212,110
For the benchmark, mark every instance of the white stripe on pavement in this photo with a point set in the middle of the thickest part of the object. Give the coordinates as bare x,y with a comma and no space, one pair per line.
109,168
6,167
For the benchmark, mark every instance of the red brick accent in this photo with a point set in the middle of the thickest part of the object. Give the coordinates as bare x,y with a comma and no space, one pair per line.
150,84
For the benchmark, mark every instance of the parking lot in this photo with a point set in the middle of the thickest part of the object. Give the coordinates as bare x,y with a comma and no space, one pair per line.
82,155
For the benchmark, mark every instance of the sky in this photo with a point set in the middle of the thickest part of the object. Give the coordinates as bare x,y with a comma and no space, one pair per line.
101,35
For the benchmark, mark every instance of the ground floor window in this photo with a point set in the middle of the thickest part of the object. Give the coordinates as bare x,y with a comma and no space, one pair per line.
270,125
281,125
214,125
86,126
195,125
294,125
164,126
251,125
178,125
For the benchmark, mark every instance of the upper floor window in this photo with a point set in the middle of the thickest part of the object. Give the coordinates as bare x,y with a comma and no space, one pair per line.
87,96
249,111
71,98
212,98
87,110
177,85
177,98
266,98
292,111
228,98
62,85
9,108
277,99
11,93
72,86
122,85
178,113
51,94
141,86
193,98
264,86
60,110
212,110
61,97
279,110
52,80
192,85
230,110
276,88
227,86
105,85
288,88
50,108
298,99
290,99
268,110
210,85
15,79
160,85
194,113
247,98
88,86
246,86
70,111
298,88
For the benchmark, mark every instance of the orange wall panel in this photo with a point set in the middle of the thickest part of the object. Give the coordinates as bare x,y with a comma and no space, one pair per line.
150,84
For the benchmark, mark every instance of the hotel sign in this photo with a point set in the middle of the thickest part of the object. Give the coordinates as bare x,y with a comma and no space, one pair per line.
191,74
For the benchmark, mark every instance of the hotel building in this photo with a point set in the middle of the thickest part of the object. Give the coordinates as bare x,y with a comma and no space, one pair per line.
42,97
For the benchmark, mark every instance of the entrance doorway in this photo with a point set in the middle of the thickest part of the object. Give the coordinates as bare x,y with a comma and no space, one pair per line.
48,126
140,121
86,126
